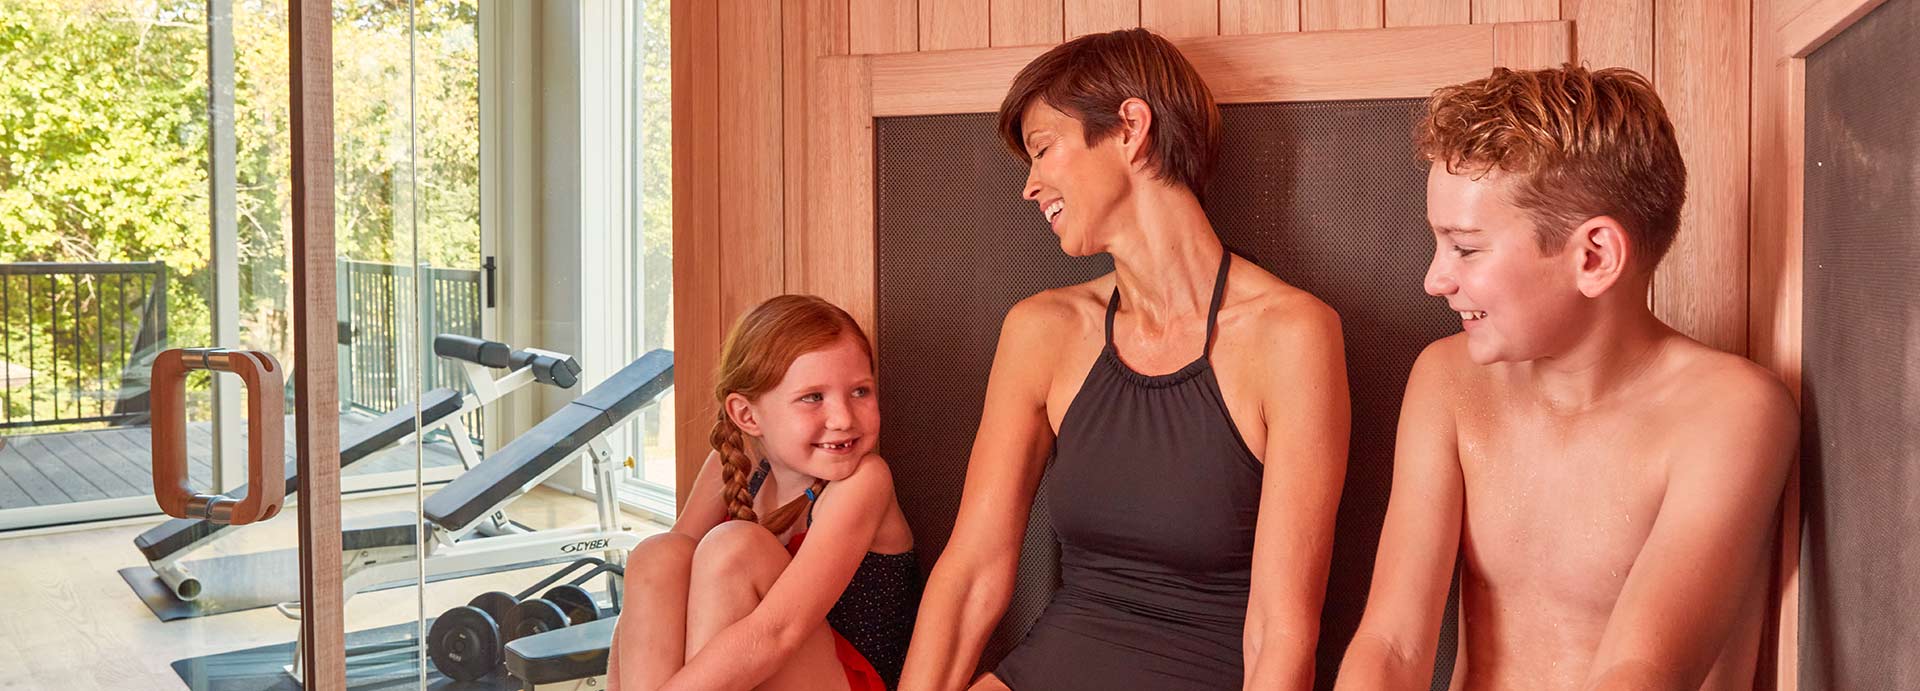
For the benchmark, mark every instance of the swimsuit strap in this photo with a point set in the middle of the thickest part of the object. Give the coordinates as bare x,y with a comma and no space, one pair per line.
760,478
1213,308
1219,295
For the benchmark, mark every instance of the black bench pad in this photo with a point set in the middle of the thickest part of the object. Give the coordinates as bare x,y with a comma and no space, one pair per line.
574,652
556,438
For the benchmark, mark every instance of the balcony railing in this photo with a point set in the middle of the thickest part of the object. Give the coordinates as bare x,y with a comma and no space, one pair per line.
76,341
374,377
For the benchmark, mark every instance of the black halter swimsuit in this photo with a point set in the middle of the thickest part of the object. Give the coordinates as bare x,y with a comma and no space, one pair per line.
1153,498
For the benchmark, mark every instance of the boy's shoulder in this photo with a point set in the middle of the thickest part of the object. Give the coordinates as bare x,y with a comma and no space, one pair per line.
1709,385
1445,362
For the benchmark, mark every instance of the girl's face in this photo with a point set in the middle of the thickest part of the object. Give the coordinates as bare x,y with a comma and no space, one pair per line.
1077,187
822,418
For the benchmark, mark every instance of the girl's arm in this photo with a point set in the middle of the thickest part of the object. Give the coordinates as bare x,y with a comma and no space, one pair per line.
973,581
749,651
705,509
1306,463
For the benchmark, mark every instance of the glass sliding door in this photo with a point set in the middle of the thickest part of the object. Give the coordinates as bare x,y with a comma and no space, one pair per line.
146,186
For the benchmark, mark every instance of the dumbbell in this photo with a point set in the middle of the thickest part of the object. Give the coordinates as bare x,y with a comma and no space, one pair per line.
465,642
469,642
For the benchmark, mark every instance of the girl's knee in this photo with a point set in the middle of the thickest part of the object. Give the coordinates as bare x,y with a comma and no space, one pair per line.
663,555
738,546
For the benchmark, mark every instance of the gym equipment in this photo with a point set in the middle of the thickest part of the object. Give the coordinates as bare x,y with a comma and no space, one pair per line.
166,545
465,642
456,512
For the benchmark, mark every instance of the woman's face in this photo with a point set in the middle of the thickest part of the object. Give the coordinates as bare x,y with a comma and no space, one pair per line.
1077,187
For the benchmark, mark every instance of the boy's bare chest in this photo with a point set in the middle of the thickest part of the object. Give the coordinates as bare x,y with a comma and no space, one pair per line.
1559,508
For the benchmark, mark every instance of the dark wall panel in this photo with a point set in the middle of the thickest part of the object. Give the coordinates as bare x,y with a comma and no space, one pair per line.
1860,387
1327,196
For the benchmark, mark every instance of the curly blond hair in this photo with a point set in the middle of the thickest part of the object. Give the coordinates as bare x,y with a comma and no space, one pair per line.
1577,144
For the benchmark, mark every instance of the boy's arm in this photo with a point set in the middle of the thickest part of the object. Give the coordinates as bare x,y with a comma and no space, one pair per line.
1709,542
1394,647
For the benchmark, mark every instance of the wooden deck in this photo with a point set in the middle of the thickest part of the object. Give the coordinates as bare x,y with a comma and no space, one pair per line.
66,467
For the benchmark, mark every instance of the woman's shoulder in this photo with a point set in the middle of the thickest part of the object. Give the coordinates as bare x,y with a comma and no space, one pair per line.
1270,308
1055,311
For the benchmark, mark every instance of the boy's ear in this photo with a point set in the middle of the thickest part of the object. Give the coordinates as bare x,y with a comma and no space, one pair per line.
1601,252
740,411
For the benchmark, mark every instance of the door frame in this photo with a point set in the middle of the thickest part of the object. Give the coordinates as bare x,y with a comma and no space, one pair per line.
323,604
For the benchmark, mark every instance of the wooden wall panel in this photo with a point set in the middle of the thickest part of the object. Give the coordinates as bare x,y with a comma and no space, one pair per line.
1026,22
883,26
1701,287
812,28
751,155
1428,12
953,24
1532,45
1390,63
1328,15
1258,16
1180,18
837,245
697,327
1496,11
1613,33
1092,16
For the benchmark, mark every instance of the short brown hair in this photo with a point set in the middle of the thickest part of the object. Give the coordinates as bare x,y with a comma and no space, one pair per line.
1580,143
1090,76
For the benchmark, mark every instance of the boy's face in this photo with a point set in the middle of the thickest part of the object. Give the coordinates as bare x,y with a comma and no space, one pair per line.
1515,302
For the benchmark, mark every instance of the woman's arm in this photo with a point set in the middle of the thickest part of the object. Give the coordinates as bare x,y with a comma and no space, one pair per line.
752,649
973,581
1307,415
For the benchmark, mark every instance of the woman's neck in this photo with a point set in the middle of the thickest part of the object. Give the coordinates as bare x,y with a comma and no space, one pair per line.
1165,253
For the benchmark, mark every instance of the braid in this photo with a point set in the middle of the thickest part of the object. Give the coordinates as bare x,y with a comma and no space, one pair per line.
735,469
783,517
758,351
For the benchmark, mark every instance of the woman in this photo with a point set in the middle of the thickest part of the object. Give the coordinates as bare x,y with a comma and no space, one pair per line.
1182,396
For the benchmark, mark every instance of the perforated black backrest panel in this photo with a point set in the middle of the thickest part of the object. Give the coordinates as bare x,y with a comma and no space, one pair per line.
1327,196
1860,387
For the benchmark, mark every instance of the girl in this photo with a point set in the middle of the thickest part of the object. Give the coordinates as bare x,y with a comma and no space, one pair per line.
729,599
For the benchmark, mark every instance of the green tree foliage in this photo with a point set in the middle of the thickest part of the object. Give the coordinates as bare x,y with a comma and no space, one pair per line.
104,158
104,152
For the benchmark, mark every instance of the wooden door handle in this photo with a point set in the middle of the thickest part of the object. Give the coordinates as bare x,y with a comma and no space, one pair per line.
266,434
